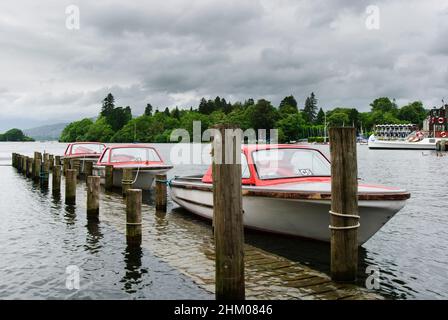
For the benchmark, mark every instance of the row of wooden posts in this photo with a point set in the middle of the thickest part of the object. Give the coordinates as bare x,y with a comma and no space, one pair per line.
39,168
227,205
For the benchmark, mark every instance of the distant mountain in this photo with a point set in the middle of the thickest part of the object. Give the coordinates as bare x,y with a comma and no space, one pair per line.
48,132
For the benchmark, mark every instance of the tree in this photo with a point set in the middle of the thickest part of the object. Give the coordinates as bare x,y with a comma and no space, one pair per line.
99,131
338,119
320,118
413,113
108,105
14,135
310,109
384,104
288,105
263,115
289,127
76,131
148,110
167,112
176,113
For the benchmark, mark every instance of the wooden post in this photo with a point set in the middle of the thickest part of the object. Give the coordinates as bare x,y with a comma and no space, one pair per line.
126,181
56,182
19,163
134,216
109,177
14,159
37,165
344,204
76,165
70,186
45,172
161,195
66,165
228,217
57,160
29,167
88,168
51,160
93,197
24,164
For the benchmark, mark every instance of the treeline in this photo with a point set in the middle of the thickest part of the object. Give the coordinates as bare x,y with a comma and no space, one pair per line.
14,135
116,124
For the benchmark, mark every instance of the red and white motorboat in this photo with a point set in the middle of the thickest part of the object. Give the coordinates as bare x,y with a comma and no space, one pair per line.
143,159
84,150
287,190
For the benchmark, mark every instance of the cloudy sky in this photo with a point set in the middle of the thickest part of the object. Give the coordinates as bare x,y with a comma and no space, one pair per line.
173,52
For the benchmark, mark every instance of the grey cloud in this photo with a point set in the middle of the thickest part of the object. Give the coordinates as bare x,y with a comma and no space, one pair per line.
174,52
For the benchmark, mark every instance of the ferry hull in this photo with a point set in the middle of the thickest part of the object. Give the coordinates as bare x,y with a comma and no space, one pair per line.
425,144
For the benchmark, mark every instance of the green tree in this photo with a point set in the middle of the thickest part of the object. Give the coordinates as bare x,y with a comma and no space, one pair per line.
338,119
148,110
289,127
262,115
413,112
288,106
320,118
76,131
108,106
384,104
99,131
167,112
310,109
14,135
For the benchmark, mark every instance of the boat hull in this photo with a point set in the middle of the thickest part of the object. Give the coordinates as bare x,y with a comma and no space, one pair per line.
305,218
143,177
425,144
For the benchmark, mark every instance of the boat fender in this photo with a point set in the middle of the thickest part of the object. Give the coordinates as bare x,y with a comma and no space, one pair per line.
443,134
344,216
441,120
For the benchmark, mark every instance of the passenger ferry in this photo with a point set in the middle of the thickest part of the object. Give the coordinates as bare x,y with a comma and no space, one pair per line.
408,136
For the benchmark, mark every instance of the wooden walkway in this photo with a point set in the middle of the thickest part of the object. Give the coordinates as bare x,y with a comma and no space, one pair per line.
186,244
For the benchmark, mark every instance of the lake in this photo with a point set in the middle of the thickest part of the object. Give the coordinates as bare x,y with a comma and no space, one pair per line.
40,236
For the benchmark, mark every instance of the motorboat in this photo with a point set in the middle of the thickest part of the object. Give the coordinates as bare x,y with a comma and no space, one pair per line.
144,161
287,190
90,151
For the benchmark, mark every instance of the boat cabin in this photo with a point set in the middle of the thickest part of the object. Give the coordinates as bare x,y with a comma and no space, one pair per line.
437,122
130,155
264,165
84,149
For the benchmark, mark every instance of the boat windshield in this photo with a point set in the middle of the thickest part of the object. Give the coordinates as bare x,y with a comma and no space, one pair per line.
134,155
87,148
290,163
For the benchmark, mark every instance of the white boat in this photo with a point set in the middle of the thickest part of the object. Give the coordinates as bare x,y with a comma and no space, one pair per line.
408,136
292,197
144,160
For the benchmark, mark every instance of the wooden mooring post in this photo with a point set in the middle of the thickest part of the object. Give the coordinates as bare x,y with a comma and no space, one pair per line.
70,186
66,165
51,160
109,177
24,165
75,164
56,179
29,167
161,192
344,204
45,172
57,160
134,217
93,197
228,216
88,168
37,167
126,181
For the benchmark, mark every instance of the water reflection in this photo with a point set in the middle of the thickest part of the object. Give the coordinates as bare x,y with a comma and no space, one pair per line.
133,269
94,235
70,214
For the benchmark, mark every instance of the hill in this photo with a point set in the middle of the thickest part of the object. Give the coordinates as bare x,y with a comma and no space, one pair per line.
45,133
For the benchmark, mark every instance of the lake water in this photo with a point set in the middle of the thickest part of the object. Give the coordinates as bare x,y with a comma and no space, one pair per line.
40,236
